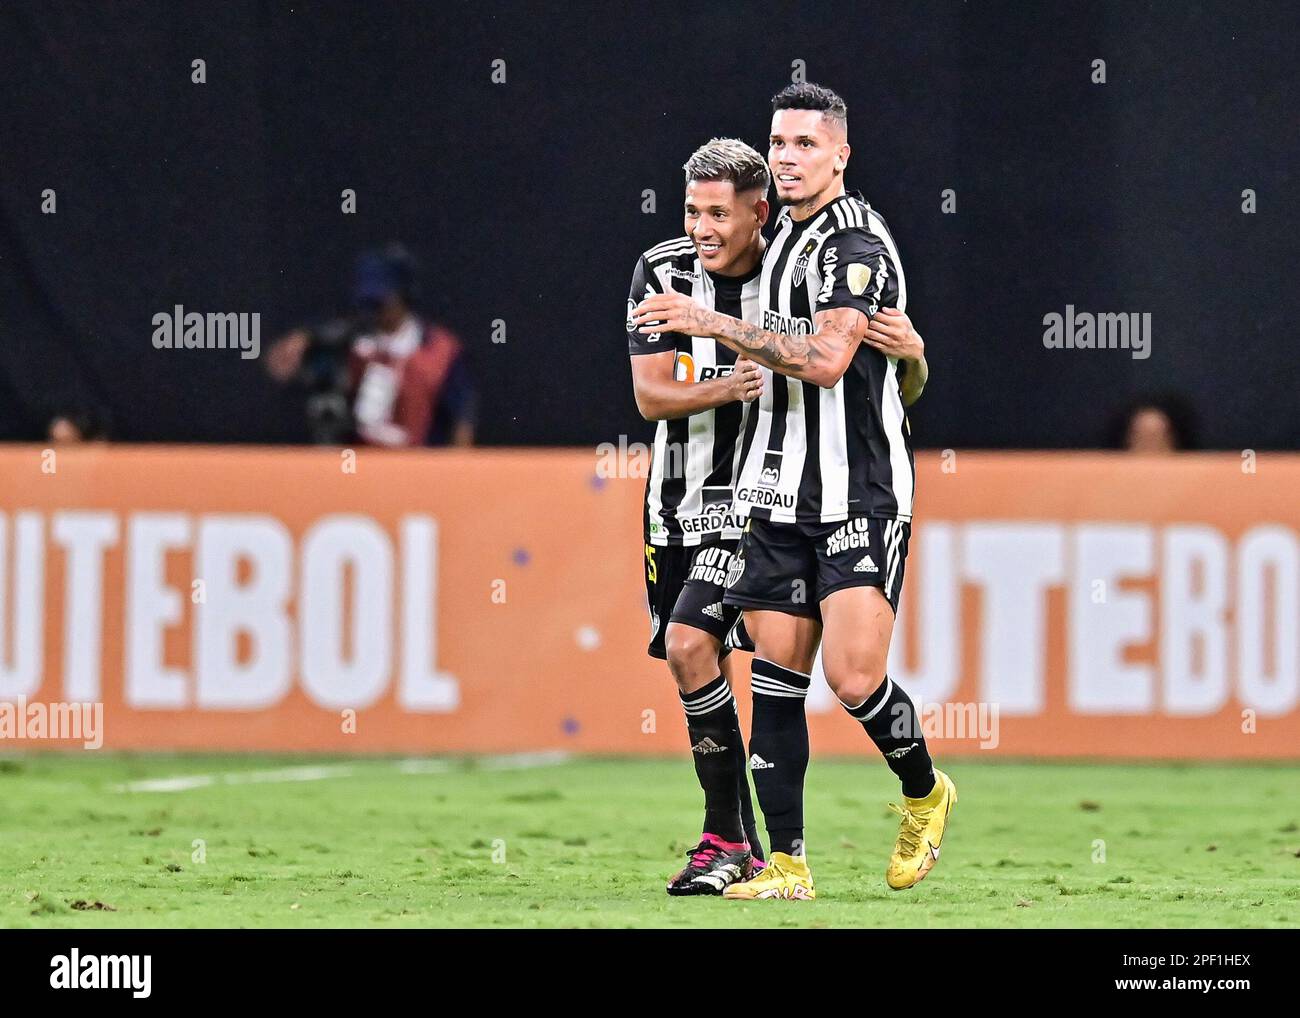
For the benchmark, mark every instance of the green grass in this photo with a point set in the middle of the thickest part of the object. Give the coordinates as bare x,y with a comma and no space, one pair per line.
590,842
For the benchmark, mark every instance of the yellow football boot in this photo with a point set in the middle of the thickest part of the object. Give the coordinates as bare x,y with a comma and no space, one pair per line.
784,876
920,833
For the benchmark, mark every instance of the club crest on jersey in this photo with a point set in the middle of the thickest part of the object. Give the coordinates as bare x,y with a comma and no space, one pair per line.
801,263
735,570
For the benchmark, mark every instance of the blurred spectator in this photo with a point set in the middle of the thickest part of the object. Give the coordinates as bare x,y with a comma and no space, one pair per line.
78,423
384,376
1155,425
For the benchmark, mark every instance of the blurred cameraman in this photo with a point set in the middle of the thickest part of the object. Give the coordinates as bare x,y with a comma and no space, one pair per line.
383,376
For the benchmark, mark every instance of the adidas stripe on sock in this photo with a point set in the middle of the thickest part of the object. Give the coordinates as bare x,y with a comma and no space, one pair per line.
779,751
889,717
715,746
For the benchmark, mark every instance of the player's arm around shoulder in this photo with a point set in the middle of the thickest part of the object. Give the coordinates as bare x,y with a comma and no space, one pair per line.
820,358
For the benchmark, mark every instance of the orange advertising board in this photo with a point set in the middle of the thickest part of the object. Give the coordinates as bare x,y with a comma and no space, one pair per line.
490,601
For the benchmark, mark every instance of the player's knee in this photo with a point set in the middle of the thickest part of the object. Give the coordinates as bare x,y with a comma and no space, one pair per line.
853,686
796,659
692,656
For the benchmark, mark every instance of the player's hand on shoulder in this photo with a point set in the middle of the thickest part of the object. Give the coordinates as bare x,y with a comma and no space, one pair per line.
890,331
670,312
746,380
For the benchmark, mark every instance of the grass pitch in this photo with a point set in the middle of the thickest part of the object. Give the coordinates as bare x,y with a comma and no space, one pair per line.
284,842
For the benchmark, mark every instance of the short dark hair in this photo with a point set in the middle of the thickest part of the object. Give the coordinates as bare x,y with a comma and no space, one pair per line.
804,95
729,159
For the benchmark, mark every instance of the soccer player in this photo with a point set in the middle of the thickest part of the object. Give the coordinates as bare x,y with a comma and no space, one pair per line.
698,391
826,481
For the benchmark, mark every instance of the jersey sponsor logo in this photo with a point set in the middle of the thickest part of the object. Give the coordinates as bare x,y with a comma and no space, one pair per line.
694,277
854,534
829,261
684,369
764,497
711,521
711,565
858,276
791,325
771,473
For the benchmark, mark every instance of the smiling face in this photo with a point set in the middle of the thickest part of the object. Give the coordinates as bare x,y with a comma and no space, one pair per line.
725,226
807,153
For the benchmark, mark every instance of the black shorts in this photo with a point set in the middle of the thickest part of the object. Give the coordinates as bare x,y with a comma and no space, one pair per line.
686,584
791,567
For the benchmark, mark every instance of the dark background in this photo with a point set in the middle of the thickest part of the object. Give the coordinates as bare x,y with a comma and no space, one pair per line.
524,199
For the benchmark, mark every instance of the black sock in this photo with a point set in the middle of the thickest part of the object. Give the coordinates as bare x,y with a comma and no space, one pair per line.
715,737
890,719
747,803
779,752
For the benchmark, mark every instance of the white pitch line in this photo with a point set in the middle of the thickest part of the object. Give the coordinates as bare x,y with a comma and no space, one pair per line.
524,761
185,782
412,765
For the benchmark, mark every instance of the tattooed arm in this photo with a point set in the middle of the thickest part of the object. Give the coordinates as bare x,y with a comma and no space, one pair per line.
820,358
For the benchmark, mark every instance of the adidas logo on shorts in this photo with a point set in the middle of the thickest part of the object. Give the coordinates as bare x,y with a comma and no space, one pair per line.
713,611
757,763
866,565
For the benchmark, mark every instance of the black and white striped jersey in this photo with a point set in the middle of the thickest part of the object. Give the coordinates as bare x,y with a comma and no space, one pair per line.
821,455
692,471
